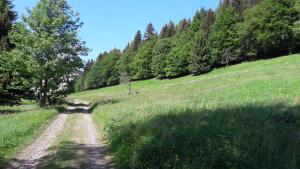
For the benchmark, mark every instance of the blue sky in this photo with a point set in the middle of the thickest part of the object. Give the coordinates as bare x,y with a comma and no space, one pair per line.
113,23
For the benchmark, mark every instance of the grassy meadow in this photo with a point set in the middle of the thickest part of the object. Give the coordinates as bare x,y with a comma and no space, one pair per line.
19,125
242,116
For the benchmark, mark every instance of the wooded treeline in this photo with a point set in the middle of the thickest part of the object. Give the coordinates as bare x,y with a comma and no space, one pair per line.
239,30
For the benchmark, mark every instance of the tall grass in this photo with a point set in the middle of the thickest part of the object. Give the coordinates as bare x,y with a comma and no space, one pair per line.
244,116
20,126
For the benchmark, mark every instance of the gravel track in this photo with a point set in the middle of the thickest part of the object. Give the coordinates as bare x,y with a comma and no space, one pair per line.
86,137
30,156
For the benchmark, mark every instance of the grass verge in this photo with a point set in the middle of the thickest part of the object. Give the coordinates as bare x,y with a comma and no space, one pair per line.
19,127
245,117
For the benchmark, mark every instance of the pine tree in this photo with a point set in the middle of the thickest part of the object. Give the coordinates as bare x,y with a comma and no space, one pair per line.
12,67
150,32
183,25
137,41
163,32
168,30
7,17
208,21
88,65
171,30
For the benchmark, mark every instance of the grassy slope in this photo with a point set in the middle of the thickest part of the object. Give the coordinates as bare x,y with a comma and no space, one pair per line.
18,126
243,116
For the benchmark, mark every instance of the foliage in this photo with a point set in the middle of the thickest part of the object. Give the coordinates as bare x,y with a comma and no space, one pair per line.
266,30
15,76
178,59
201,58
7,18
137,41
183,25
125,68
104,72
224,37
142,60
169,29
150,32
296,29
159,61
49,35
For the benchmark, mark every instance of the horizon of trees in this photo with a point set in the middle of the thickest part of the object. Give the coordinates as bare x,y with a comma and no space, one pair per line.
239,30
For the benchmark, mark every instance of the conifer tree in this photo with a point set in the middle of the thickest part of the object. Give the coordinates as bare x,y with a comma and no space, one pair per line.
168,30
150,32
137,41
163,32
208,21
171,30
7,17
183,25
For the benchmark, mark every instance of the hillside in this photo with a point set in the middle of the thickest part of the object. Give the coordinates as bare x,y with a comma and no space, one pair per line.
242,116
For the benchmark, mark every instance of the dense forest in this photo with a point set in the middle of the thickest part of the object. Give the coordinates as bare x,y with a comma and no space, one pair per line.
239,30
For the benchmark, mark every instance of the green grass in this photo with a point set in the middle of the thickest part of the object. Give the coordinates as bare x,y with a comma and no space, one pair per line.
65,153
18,126
244,116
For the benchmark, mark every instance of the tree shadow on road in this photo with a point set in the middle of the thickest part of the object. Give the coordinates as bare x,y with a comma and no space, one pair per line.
70,155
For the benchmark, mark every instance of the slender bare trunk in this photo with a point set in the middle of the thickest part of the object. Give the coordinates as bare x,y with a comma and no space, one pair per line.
43,92
129,87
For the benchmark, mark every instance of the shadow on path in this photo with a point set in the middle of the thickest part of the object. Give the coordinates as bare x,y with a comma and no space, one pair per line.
72,156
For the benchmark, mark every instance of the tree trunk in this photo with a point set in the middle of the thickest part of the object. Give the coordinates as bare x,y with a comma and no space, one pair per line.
129,87
43,92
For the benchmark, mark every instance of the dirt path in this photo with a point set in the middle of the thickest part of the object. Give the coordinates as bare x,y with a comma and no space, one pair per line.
85,146
29,157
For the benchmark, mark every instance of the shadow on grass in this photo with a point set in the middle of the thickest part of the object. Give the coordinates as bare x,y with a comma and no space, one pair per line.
248,137
77,104
7,111
100,102
3,161
69,155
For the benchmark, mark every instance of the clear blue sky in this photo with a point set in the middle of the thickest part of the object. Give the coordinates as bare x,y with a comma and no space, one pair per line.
113,23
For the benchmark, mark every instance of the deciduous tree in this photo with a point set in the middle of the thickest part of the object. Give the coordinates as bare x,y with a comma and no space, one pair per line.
49,35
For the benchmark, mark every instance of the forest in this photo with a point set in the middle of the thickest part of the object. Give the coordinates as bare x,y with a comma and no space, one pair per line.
238,31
